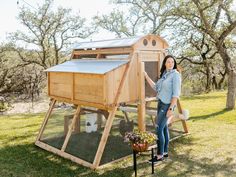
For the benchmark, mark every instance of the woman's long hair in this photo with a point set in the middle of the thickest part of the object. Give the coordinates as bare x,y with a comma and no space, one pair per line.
163,67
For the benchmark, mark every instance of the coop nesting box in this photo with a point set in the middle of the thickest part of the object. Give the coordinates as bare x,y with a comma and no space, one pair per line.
88,82
101,75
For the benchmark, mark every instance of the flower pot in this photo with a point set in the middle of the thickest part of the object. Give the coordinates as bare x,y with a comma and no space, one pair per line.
140,147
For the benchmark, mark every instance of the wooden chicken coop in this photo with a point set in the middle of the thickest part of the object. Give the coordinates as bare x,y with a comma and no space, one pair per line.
105,76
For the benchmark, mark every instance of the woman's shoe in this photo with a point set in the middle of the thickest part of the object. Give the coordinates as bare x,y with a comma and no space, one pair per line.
165,155
155,159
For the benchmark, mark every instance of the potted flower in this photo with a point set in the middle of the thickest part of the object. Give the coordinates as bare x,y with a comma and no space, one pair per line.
140,140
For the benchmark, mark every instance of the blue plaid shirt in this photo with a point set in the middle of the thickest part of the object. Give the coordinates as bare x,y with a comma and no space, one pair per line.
168,86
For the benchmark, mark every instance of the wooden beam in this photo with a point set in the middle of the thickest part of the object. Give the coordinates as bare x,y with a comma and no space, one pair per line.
63,154
70,129
104,51
141,93
48,75
73,87
104,138
148,99
82,103
158,65
52,103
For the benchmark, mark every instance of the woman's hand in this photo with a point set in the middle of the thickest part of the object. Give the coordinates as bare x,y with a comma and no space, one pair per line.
169,113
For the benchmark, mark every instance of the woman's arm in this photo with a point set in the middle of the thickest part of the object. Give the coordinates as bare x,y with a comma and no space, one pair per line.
176,93
149,80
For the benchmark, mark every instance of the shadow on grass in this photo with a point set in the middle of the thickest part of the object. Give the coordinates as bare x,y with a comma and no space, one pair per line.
184,164
207,116
29,160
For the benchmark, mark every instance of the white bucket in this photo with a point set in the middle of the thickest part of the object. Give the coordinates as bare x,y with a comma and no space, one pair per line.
91,123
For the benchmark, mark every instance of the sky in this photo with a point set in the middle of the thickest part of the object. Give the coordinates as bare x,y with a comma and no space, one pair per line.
86,8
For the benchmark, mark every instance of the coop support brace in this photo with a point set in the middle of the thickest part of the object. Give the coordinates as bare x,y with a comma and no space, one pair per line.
52,103
111,116
70,129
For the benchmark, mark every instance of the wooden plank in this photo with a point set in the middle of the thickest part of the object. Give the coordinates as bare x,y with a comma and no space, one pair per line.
89,87
158,66
111,116
109,87
67,119
61,84
73,87
135,110
104,138
71,128
107,165
83,103
52,103
141,93
100,56
148,104
148,99
147,56
63,154
130,85
104,51
48,74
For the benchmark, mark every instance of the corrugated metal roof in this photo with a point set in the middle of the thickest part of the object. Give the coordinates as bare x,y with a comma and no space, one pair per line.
111,43
91,66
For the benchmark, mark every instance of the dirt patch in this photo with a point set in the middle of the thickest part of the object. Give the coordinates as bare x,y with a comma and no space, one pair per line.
23,106
28,107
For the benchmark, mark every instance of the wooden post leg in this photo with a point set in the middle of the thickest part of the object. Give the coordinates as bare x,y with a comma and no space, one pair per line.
70,129
181,112
141,105
52,103
152,155
66,124
99,121
104,138
185,126
135,162
152,119
77,124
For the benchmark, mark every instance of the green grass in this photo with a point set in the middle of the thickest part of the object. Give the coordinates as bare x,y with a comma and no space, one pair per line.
210,149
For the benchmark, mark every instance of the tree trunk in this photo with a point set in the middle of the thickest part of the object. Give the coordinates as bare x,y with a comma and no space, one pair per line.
230,103
214,83
208,74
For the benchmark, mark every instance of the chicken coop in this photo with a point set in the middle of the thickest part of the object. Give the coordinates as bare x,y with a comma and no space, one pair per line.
104,81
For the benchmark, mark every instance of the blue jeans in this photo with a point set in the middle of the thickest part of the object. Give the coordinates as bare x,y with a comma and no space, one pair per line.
162,128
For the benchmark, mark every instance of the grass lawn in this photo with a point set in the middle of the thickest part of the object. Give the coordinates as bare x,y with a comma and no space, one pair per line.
210,149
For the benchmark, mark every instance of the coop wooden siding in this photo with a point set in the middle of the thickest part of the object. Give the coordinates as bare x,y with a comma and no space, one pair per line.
113,79
89,87
60,84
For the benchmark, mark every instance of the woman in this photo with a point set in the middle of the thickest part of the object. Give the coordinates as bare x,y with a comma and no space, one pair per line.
168,91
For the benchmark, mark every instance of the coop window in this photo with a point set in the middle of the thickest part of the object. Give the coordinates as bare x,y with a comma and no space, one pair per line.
145,42
154,43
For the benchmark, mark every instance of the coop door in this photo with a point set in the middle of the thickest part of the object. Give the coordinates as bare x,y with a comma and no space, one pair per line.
151,67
